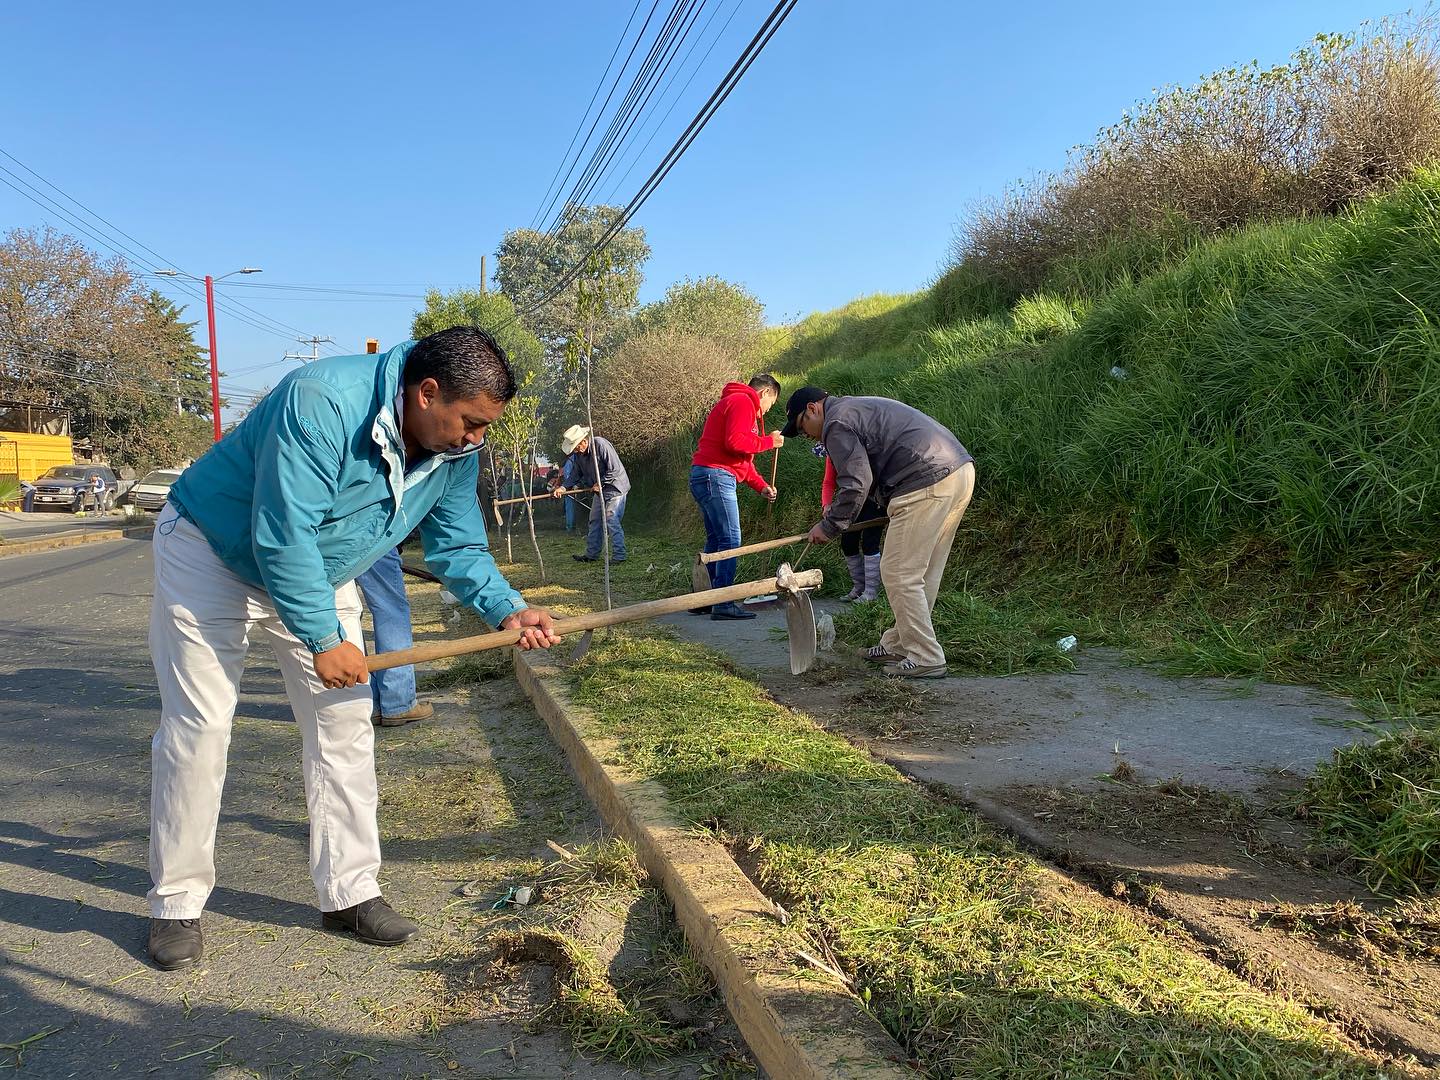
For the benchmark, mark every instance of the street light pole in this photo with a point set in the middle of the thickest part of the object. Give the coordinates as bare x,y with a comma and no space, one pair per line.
210,313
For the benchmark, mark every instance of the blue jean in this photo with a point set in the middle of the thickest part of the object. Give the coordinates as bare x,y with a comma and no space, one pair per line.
614,510
569,513
714,490
383,586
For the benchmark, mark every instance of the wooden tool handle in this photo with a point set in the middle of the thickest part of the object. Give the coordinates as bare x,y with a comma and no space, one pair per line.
767,545
671,605
547,495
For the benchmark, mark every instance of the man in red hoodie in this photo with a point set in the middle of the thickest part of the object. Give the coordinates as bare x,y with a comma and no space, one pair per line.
734,433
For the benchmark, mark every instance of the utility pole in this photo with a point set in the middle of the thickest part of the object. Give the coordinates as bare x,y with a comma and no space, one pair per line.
210,312
314,343
482,273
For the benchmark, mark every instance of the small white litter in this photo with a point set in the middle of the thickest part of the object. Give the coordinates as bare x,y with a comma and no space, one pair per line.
1066,643
825,631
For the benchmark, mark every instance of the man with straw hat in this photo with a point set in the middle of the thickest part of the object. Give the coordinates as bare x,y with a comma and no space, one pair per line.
597,464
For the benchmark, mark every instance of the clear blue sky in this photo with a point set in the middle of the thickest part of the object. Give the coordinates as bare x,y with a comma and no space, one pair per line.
385,147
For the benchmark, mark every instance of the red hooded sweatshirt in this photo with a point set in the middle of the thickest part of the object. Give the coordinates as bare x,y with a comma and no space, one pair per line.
732,436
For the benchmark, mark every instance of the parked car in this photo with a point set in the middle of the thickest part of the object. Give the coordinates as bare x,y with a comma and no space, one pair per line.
151,491
66,487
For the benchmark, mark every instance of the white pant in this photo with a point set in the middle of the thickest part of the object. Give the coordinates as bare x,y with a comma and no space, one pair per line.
917,545
200,625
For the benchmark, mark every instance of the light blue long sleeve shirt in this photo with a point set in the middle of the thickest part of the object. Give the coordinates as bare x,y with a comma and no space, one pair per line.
312,488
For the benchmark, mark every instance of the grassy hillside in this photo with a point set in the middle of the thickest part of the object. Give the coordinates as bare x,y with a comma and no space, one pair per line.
1230,463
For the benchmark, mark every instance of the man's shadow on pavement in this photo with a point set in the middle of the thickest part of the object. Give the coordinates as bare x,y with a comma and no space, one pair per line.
47,852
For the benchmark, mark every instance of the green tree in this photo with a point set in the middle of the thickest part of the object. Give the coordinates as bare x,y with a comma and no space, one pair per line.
490,311
531,263
589,313
711,308
173,341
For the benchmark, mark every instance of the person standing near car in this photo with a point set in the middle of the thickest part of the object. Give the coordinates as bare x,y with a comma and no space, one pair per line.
95,489
733,434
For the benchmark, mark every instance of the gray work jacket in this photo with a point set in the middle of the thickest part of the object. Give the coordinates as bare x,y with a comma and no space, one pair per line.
613,477
883,448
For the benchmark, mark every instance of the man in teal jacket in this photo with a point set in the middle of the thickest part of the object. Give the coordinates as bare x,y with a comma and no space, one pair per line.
337,465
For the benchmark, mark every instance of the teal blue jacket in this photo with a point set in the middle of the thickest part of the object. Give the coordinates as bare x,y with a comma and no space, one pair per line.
311,488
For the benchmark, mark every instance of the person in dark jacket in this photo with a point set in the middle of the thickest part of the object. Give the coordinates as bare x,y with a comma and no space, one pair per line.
586,451
733,434
914,469
862,548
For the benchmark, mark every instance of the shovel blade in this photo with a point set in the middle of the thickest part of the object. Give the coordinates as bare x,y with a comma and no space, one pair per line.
699,577
800,629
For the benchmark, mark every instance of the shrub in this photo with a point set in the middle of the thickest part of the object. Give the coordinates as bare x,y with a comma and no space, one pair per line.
1346,117
658,385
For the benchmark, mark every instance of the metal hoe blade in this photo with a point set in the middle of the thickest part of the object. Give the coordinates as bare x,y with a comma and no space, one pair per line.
699,576
581,648
799,621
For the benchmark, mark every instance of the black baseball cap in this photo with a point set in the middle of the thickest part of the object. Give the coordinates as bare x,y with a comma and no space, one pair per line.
796,405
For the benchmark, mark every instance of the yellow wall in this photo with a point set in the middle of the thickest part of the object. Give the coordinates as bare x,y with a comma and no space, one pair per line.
36,452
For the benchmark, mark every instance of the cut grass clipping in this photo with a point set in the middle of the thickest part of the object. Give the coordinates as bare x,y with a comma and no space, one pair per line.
977,960
1383,802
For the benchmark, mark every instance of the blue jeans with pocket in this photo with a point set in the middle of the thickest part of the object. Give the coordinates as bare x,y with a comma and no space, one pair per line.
714,490
614,510
383,587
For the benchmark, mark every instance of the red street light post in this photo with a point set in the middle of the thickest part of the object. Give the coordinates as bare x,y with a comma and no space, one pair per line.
210,311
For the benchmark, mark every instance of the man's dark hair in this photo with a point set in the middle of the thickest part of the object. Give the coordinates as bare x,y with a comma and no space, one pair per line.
465,360
765,381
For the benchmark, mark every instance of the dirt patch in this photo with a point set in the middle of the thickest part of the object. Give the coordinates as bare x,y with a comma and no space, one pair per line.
1252,885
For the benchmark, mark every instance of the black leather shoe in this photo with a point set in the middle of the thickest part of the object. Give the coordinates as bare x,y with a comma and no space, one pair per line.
584,558
730,611
175,943
373,921
700,610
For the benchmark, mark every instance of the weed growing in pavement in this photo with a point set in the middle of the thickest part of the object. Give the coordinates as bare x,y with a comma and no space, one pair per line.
980,963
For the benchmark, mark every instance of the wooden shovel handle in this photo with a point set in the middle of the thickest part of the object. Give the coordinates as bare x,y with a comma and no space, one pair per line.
532,498
767,545
671,605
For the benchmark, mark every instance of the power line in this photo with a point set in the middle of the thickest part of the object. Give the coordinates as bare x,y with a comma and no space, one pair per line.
535,221
613,87
727,85
120,249
635,158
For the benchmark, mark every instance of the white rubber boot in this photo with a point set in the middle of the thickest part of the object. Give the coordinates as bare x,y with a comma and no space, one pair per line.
872,579
856,563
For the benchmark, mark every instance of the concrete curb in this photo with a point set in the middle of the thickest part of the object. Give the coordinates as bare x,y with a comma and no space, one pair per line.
75,539
798,1026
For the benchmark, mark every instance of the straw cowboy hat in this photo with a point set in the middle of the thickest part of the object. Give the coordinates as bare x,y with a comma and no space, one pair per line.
574,435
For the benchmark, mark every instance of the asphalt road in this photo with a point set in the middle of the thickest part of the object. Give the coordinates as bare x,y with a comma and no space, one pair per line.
275,995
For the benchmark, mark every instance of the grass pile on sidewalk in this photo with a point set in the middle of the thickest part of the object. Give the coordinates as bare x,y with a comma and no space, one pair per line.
980,962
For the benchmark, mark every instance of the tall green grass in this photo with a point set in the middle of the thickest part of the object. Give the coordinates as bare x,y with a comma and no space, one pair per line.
1223,454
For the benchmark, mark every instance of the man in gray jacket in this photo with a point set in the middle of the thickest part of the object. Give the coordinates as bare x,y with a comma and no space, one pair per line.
587,451
917,471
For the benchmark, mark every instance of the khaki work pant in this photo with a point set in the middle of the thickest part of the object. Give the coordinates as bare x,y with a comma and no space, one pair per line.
200,624
922,528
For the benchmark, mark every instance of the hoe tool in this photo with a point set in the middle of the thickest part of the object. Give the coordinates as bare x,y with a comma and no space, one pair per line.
793,590
700,577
